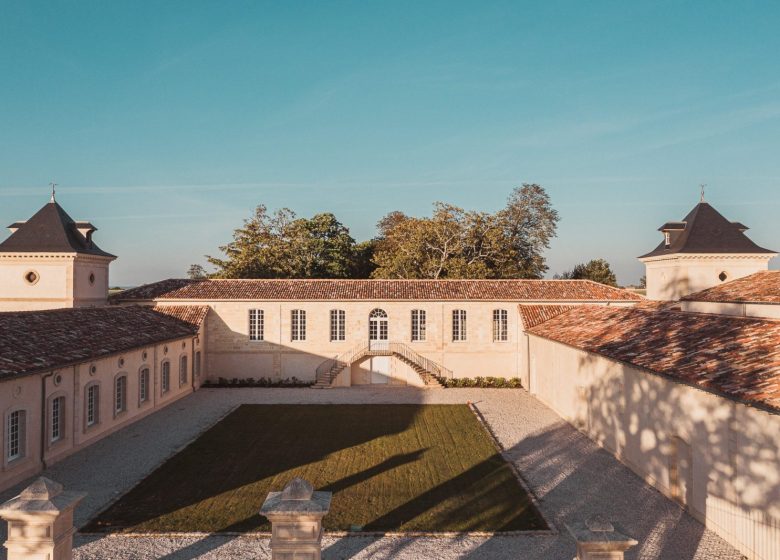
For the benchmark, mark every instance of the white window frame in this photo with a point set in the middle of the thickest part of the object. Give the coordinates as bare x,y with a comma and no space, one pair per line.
459,332
298,325
500,325
120,394
57,419
144,376
16,435
419,325
256,325
165,377
92,404
338,325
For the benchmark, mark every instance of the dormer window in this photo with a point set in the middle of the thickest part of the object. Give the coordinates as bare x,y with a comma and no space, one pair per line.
667,238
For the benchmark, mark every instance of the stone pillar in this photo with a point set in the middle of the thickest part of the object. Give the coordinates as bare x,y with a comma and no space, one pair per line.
40,522
597,539
296,516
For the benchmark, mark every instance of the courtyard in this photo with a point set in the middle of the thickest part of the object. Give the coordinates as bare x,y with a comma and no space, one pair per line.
571,477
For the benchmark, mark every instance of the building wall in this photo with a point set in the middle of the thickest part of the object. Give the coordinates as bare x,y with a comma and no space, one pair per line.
726,455
765,310
71,383
670,278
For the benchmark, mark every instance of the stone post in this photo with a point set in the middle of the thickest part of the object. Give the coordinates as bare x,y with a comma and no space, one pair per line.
597,539
296,516
40,522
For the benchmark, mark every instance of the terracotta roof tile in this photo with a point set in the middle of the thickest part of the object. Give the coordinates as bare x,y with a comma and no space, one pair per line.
736,357
533,315
379,290
35,341
762,287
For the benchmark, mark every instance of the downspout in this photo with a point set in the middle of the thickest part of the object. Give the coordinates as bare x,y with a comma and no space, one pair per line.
44,377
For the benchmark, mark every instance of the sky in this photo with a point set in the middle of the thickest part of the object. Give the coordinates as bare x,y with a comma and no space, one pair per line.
166,123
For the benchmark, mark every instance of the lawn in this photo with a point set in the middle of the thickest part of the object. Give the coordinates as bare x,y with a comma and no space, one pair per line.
390,467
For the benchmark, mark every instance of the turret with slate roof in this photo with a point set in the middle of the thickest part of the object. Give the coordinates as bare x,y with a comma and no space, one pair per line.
703,250
51,261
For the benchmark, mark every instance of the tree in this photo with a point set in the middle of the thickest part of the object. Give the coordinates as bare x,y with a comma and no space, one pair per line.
197,272
281,245
597,270
456,243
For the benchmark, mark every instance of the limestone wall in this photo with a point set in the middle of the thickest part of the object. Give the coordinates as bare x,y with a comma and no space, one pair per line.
719,459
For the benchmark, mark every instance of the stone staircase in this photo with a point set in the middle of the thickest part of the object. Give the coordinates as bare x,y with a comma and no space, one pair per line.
427,369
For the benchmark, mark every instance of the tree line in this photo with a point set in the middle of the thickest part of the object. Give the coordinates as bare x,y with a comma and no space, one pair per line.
450,243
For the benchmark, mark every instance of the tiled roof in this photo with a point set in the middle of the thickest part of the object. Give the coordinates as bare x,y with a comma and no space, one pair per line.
192,314
51,230
377,290
735,357
533,315
705,230
35,341
762,287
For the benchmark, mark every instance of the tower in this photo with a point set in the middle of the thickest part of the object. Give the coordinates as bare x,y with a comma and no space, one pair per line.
699,252
50,261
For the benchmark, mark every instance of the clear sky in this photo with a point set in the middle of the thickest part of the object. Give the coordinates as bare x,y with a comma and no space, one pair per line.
165,123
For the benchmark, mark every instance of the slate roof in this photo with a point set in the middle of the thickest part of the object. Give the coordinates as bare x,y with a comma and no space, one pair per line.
735,357
706,231
51,230
37,341
377,290
533,315
762,287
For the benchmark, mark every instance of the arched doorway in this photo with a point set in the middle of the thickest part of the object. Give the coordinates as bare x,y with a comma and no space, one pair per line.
377,341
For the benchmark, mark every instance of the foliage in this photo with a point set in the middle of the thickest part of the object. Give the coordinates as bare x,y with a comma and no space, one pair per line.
457,243
597,270
281,245
643,282
481,382
196,272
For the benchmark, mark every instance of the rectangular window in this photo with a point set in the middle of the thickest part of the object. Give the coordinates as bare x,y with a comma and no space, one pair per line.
182,370
298,324
93,398
338,328
196,371
15,436
165,381
256,324
418,325
500,325
120,394
57,416
143,385
458,325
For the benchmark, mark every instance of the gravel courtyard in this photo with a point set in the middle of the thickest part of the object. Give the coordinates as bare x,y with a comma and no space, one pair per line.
571,477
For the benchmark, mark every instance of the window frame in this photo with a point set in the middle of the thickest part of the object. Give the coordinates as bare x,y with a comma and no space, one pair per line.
20,435
93,402
256,325
120,394
298,325
144,378
500,325
183,370
338,325
57,403
165,377
459,325
419,325
196,365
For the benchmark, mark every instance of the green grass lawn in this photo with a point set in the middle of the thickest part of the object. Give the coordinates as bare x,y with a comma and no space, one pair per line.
390,467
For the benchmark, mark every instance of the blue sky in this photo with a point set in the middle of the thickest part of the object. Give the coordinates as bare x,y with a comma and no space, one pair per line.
165,123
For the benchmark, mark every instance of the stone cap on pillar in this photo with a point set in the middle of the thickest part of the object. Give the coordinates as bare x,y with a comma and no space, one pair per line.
42,496
598,529
297,497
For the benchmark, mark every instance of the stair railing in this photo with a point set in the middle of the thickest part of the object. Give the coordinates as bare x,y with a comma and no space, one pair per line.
345,359
427,364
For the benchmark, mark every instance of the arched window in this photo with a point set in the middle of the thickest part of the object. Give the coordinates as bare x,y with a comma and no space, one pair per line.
92,404
182,371
500,325
377,325
15,435
458,325
338,328
165,377
120,394
143,385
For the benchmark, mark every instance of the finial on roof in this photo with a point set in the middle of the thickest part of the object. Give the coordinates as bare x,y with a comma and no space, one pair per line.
703,186
53,190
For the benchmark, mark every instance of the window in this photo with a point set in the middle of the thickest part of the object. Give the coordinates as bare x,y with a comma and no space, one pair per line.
143,385
458,325
165,381
15,435
196,369
667,239
120,394
298,324
92,404
256,324
57,428
500,325
182,371
418,325
338,319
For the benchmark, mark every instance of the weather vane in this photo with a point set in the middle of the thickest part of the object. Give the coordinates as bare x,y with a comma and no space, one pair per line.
703,185
53,190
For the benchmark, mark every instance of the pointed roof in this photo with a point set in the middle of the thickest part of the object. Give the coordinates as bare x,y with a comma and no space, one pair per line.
51,230
705,230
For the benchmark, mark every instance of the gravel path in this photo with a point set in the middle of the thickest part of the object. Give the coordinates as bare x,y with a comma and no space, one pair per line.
571,476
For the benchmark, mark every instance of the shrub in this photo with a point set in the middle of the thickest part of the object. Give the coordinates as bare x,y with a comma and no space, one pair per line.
481,382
